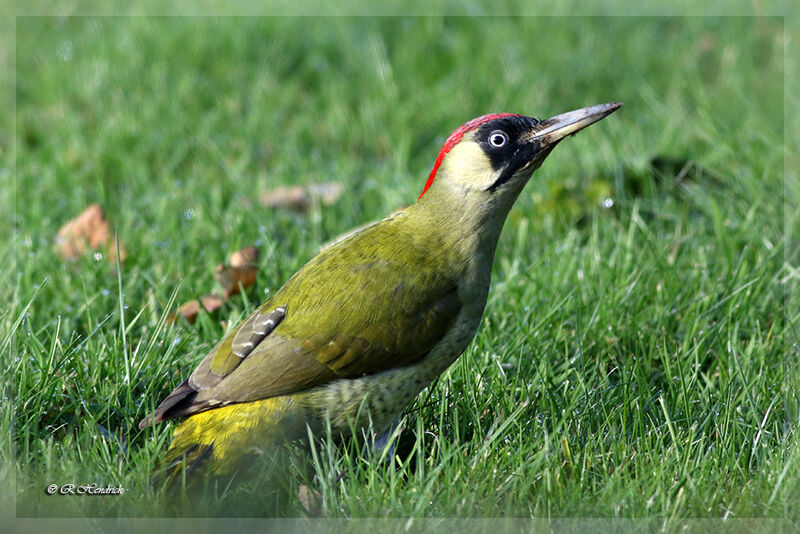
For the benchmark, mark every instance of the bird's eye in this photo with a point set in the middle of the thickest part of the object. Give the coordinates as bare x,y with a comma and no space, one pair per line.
498,138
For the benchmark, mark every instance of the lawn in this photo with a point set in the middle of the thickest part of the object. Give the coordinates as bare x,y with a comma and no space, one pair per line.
638,354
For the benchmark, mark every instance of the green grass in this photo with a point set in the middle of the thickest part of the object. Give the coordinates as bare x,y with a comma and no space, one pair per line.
634,361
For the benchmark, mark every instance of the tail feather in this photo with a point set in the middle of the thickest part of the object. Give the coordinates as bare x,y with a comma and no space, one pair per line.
180,396
183,468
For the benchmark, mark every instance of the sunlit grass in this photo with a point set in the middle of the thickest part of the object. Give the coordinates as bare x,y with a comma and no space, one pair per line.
636,356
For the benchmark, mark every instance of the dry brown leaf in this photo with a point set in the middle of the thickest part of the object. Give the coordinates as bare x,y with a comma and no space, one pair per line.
233,278
190,309
299,198
245,257
311,500
240,273
112,251
293,198
91,229
328,192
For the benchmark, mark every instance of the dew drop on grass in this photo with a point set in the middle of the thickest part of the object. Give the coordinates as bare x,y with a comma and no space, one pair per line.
65,50
105,292
189,214
608,203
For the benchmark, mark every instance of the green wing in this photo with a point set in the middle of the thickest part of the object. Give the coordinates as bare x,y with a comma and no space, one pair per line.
353,310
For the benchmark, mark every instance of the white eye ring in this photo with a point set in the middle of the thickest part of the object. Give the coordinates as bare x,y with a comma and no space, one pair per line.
498,138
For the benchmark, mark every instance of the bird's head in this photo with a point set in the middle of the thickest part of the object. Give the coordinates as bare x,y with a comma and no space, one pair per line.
495,155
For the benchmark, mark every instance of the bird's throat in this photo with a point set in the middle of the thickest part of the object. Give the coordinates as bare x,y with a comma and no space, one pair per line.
465,228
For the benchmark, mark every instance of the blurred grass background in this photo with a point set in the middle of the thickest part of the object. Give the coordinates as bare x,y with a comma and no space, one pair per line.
636,358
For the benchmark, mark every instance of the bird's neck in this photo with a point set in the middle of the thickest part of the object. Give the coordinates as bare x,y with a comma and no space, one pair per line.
467,223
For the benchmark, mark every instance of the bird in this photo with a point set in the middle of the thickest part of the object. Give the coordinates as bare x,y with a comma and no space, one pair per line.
362,328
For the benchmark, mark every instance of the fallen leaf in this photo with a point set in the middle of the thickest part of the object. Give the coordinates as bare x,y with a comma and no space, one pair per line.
239,273
245,257
89,229
311,500
293,198
190,309
90,226
233,279
328,192
112,251
299,198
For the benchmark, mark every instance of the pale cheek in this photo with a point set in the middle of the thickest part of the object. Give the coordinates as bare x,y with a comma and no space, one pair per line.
466,166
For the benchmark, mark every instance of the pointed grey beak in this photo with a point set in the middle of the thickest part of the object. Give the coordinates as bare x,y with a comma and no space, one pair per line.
557,128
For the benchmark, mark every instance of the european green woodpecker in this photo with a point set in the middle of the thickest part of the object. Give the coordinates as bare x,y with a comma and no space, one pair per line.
363,327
